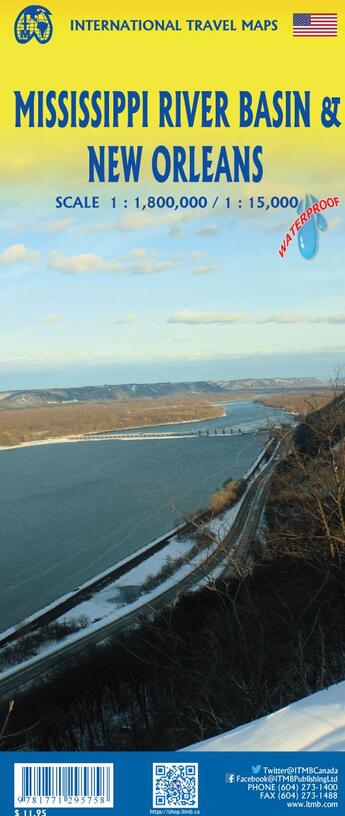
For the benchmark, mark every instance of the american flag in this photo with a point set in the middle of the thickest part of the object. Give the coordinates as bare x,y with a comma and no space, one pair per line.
315,25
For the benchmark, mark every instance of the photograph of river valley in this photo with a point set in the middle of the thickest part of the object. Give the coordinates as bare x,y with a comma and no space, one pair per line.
172,559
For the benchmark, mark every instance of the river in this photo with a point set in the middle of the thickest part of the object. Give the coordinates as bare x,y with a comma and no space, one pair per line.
69,511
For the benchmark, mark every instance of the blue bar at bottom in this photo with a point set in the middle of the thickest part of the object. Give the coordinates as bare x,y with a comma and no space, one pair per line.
155,784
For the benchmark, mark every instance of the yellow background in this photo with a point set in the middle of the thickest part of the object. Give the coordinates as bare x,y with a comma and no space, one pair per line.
172,60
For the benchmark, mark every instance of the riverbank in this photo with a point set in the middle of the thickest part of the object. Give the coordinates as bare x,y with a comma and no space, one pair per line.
296,403
71,423
97,435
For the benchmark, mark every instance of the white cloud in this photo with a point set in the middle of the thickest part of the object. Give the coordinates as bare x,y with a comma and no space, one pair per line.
138,252
209,230
148,220
199,318
187,316
83,263
136,262
198,253
151,266
56,226
205,269
50,319
130,318
142,262
17,253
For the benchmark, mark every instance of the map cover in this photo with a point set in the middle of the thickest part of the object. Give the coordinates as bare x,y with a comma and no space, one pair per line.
172,408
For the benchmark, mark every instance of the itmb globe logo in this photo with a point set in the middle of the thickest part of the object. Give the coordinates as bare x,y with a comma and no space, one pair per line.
33,22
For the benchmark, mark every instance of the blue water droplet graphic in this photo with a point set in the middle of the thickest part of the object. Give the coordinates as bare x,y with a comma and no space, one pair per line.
320,220
308,242
308,237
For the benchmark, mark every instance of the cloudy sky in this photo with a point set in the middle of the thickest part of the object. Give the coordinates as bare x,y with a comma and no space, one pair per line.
121,296
136,296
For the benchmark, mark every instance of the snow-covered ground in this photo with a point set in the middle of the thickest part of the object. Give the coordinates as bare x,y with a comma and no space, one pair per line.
116,595
103,602
106,609
316,723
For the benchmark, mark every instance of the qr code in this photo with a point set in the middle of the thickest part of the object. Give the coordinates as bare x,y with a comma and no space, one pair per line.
175,784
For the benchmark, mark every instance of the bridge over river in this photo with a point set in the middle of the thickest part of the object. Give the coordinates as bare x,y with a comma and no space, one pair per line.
206,432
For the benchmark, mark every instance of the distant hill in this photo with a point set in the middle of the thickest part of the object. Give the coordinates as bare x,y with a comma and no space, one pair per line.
103,393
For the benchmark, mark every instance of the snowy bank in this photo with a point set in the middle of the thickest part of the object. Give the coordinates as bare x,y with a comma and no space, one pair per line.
315,723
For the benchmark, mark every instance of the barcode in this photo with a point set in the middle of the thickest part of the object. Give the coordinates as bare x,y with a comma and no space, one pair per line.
63,784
